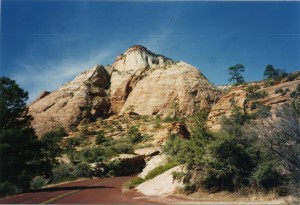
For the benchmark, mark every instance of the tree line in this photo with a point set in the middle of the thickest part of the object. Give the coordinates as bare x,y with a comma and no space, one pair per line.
22,155
270,73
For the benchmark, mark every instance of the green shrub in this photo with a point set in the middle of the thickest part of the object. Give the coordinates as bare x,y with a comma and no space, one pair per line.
295,93
7,188
256,95
82,169
134,135
131,184
169,119
267,176
269,83
293,76
157,126
160,169
252,88
100,137
146,137
226,164
175,147
113,167
122,148
63,172
91,155
279,90
70,145
262,111
224,161
37,183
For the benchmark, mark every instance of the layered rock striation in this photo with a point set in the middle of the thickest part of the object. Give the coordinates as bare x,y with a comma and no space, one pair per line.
138,81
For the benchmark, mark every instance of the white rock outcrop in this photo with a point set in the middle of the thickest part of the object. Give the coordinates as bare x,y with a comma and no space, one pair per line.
155,161
151,84
162,184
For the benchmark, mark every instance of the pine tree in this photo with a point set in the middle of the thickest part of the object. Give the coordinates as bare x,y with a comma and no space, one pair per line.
20,157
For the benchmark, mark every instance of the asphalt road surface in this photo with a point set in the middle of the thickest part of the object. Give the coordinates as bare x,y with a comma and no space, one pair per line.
92,191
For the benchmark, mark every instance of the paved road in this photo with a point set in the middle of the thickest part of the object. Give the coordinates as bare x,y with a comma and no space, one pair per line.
93,191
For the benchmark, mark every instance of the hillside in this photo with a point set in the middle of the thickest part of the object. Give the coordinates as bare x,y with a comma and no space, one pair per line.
119,118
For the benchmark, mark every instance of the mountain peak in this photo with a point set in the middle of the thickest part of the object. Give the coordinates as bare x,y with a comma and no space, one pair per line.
136,47
139,57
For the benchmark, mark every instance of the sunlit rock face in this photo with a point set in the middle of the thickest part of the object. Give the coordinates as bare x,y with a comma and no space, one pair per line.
152,84
139,81
84,98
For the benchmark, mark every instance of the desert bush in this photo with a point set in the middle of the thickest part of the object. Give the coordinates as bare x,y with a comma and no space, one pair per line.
224,161
293,76
100,138
295,93
267,176
131,184
7,188
97,154
160,169
146,137
113,167
157,126
70,145
37,183
82,169
169,118
252,88
134,135
63,172
279,90
282,137
122,147
256,95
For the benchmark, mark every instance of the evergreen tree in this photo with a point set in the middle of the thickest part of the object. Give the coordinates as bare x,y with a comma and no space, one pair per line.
20,157
235,72
51,147
272,73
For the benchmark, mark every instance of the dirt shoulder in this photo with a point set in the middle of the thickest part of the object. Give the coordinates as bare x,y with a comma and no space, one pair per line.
220,198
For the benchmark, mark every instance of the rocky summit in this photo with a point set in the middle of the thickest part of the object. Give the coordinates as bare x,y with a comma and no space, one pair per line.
138,81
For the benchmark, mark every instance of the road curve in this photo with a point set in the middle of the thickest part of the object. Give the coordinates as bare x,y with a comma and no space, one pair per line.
92,191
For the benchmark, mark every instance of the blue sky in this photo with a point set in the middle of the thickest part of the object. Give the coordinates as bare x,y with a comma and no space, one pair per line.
46,43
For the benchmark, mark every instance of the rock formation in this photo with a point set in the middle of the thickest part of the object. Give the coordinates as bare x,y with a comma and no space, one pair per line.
84,98
138,81
152,84
275,96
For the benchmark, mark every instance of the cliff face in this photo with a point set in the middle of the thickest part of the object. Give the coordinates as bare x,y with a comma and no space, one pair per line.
138,81
151,84
177,88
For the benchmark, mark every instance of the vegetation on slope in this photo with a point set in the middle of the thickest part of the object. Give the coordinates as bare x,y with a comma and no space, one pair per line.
244,154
